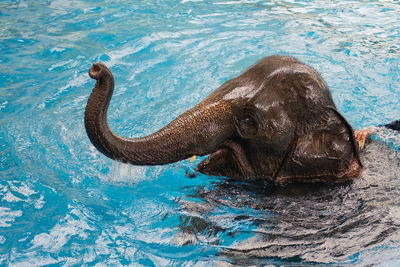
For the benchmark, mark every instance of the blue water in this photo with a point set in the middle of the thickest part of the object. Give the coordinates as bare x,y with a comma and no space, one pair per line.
64,203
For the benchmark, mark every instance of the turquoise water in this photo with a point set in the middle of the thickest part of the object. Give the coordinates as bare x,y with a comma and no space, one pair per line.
64,203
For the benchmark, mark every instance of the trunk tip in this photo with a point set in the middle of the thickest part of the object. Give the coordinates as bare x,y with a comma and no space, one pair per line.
98,71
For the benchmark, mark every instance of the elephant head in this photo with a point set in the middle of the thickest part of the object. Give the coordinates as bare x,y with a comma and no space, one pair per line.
276,121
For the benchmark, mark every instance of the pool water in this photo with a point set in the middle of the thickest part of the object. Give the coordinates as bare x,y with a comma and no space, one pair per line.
64,203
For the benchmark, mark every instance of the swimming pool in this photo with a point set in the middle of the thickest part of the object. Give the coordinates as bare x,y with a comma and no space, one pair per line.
64,203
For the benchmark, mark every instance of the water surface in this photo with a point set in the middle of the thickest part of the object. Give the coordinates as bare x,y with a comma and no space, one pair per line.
64,203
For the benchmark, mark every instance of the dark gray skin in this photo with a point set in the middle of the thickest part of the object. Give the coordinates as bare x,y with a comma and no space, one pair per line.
276,121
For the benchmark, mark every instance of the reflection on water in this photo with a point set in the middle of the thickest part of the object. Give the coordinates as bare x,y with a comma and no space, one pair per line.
304,223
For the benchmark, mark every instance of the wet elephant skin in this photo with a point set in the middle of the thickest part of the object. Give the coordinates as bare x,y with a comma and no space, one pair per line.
276,121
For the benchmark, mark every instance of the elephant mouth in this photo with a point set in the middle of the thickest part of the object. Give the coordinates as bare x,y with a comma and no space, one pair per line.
229,160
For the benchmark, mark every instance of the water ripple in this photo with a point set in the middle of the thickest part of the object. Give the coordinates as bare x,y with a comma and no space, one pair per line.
63,203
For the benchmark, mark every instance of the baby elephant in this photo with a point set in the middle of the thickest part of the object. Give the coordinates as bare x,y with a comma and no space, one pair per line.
276,121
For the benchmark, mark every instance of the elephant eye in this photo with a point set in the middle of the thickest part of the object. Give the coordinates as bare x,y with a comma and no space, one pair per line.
245,119
248,122
247,127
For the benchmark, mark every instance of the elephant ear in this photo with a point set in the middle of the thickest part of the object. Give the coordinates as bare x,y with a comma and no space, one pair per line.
327,153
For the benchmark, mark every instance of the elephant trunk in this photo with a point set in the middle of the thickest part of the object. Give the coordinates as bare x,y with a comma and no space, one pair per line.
198,131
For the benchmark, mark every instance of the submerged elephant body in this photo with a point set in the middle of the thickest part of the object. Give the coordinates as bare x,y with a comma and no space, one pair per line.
276,121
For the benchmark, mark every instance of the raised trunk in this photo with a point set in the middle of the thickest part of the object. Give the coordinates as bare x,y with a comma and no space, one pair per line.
198,131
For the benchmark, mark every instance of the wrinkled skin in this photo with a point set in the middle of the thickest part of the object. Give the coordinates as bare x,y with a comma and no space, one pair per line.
276,121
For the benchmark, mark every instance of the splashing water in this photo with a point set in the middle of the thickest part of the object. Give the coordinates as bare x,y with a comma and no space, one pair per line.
63,203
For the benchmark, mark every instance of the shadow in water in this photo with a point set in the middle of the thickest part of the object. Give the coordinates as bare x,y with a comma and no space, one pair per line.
261,223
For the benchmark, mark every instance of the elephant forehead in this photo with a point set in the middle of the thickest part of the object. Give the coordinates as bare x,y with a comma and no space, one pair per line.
291,69
270,106
246,91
